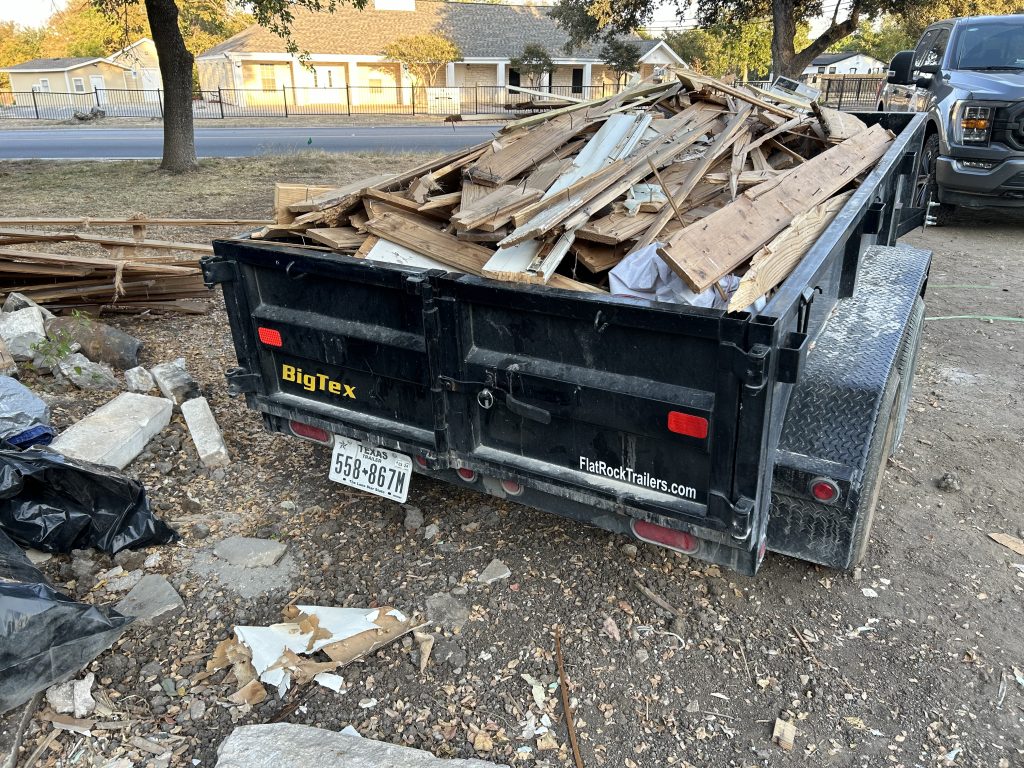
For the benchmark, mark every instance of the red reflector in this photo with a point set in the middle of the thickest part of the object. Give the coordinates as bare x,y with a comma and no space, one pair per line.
687,424
511,487
468,475
310,432
269,336
421,461
666,537
824,490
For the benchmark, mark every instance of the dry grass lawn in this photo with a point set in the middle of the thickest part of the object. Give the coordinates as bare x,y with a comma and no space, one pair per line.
221,188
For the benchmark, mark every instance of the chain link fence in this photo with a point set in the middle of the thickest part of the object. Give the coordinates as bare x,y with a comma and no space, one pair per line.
289,101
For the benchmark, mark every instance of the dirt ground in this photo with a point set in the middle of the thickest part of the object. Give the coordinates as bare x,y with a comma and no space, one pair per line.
912,660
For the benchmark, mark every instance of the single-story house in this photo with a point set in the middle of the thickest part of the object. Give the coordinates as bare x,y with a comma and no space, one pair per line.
144,66
346,62
86,81
848,64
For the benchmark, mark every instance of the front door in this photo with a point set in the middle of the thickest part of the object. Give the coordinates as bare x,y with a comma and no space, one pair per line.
577,80
99,87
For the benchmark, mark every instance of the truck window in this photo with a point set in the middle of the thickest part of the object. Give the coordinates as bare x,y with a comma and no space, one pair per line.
924,46
935,51
993,45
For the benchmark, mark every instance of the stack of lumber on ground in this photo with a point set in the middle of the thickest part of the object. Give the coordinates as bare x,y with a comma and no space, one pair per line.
137,274
717,179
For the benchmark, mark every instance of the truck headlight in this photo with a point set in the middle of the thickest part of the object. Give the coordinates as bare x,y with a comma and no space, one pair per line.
972,124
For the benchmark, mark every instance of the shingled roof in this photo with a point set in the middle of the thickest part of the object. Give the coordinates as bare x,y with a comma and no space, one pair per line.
481,30
51,65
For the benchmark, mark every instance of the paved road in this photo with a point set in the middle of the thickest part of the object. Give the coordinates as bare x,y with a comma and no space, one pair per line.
145,143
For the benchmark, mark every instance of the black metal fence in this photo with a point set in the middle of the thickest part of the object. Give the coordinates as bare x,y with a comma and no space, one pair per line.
850,93
289,101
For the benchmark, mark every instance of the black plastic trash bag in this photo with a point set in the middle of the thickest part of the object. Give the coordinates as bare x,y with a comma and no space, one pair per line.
57,504
24,418
45,636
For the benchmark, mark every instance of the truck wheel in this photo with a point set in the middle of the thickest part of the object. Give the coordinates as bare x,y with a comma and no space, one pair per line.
882,438
940,213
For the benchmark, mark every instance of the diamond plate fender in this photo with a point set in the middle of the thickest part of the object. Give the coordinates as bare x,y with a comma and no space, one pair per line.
862,359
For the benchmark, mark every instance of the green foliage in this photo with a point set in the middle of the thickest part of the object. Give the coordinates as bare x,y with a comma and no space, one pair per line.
17,44
743,50
621,57
882,39
424,55
533,63
54,348
915,17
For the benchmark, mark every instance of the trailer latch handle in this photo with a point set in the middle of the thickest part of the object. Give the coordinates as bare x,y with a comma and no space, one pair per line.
526,410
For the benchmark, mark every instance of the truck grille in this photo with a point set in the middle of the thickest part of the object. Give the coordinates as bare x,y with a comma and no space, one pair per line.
1008,126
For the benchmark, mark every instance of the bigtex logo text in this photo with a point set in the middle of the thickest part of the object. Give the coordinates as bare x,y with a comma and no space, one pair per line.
316,382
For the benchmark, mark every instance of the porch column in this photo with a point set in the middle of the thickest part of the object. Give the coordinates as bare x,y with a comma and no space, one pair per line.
586,74
350,82
449,75
501,79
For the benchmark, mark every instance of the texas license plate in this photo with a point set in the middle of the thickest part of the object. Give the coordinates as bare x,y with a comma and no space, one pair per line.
369,468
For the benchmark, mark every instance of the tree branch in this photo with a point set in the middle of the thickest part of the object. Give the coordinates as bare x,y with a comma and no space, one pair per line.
826,39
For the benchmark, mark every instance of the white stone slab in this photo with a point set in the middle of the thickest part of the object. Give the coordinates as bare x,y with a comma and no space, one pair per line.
205,433
115,433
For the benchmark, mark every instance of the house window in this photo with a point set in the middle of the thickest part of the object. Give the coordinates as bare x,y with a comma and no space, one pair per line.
821,70
268,81
44,84
513,78
376,85
79,84
330,79
832,70
853,70
316,80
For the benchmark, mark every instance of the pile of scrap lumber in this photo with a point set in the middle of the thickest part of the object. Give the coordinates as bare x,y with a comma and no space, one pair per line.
715,180
136,273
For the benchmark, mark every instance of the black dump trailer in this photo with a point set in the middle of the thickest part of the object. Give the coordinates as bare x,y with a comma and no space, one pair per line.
718,435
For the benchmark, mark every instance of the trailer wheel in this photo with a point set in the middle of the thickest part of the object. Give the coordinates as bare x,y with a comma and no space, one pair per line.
883,437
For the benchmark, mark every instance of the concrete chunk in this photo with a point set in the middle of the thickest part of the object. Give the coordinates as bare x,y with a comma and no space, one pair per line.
84,373
138,379
250,553
115,433
21,331
152,600
16,301
205,433
176,384
288,745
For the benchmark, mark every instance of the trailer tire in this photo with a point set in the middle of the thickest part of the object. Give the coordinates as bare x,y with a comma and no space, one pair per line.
883,437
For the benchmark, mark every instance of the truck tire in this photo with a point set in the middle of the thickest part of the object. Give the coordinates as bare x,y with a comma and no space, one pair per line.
882,439
940,214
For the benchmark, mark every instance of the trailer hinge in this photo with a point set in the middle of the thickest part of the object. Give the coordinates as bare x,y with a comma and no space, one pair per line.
216,271
803,312
739,513
241,382
750,366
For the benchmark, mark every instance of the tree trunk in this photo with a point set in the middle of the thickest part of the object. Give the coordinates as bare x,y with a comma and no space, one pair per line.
176,71
786,62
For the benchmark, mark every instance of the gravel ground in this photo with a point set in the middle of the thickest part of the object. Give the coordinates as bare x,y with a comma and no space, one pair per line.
908,661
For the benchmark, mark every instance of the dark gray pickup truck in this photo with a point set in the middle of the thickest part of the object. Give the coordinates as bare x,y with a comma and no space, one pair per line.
968,75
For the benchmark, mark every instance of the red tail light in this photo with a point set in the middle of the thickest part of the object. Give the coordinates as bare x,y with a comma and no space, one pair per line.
269,336
421,461
824,490
687,424
310,432
466,474
681,541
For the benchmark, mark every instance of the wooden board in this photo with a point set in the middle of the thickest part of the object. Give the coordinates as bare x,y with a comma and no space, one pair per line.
393,253
838,126
334,196
505,164
87,237
771,265
706,250
597,257
286,195
496,208
429,241
339,238
134,221
1008,541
